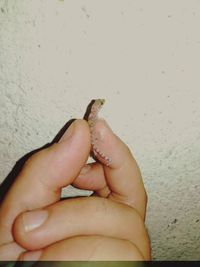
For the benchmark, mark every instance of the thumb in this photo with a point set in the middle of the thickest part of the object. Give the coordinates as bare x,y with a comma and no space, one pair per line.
44,174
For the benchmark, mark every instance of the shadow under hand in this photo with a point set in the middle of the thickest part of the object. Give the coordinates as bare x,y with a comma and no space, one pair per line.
8,181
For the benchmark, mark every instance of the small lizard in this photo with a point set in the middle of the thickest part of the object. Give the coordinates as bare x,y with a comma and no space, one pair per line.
96,105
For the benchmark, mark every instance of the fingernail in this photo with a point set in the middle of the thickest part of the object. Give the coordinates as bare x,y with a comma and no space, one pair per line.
31,256
69,132
85,169
34,219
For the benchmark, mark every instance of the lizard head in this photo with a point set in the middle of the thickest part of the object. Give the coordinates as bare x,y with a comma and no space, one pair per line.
99,102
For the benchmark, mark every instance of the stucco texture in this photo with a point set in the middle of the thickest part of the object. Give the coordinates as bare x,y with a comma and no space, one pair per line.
143,57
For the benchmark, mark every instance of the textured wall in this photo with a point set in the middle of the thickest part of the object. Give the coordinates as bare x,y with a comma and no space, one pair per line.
143,57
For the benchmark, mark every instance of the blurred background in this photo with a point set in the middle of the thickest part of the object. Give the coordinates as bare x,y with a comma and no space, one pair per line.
143,57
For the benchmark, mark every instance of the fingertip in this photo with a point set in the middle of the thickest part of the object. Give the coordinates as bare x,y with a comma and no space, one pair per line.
77,130
83,125
109,149
23,230
18,231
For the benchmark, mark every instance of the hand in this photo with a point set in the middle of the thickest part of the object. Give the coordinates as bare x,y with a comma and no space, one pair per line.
97,228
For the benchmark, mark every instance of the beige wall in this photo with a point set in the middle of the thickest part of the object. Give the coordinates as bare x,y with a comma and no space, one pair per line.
143,57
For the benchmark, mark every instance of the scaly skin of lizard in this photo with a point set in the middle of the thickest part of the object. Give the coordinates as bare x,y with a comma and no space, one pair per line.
92,119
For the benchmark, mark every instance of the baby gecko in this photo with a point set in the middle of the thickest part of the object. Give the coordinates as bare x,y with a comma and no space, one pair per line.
92,119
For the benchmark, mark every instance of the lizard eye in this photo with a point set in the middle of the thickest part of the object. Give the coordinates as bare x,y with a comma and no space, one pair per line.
102,101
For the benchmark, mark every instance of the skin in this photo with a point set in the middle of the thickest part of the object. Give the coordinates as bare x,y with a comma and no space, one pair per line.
106,226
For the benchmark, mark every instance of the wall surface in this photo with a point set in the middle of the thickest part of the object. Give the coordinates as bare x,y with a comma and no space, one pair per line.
143,57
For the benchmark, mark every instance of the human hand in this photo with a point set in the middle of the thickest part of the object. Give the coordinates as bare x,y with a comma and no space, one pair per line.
116,230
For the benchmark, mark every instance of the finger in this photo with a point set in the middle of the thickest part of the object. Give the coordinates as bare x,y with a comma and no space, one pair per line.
123,175
44,174
92,178
72,217
87,248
